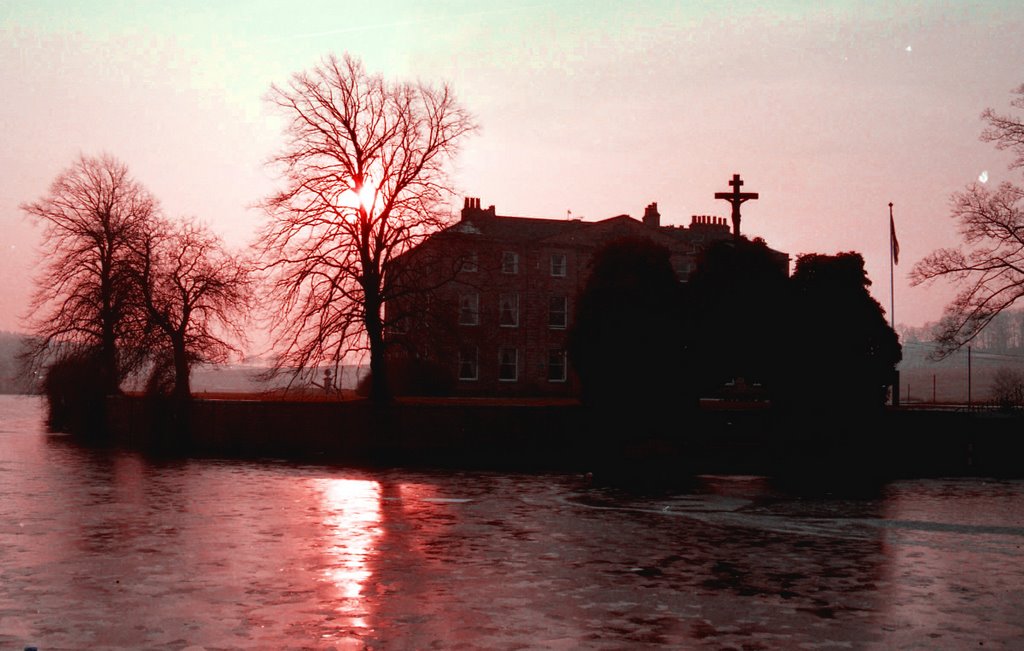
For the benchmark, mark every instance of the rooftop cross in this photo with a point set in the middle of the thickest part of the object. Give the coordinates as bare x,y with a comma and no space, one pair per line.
736,198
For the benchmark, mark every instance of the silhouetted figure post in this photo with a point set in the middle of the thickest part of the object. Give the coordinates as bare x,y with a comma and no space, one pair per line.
736,198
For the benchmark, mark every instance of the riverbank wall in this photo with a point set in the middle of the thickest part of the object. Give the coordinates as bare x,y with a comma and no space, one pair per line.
437,433
546,435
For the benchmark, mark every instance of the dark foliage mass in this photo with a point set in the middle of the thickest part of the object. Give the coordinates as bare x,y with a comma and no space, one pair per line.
816,341
628,341
734,295
75,399
840,352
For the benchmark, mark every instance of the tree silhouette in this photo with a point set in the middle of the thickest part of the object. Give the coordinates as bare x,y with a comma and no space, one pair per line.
365,171
86,303
627,340
989,265
195,294
736,296
840,351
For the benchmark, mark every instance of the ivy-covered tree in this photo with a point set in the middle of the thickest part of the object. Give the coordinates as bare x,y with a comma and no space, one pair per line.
86,303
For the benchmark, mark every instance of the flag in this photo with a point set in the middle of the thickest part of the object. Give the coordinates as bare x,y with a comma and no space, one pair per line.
894,244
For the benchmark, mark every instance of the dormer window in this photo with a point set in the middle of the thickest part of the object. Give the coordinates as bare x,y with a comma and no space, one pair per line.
509,262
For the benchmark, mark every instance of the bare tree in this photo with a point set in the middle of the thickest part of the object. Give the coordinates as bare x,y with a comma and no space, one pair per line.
196,296
1007,131
85,301
365,173
989,265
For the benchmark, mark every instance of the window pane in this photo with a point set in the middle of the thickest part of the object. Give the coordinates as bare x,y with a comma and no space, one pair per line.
469,309
558,264
508,310
556,365
508,364
557,312
509,262
468,368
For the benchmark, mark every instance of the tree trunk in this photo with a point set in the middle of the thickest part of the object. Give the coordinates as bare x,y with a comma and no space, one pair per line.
182,384
108,355
380,389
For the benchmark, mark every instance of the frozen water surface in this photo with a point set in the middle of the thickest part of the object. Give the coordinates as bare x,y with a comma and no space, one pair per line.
108,550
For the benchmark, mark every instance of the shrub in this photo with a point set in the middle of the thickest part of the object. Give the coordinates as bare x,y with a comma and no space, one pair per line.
1008,388
76,401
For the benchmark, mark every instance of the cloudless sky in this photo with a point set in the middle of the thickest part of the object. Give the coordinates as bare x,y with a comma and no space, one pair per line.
830,110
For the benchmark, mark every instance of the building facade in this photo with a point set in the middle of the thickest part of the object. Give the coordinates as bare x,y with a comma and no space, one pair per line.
499,294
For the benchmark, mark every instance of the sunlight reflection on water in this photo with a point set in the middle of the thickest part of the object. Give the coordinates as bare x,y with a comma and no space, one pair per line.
353,517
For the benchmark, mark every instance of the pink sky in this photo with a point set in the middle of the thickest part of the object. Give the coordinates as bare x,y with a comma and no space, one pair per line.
829,113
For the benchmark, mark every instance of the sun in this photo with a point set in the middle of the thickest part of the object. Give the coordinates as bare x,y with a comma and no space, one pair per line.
368,195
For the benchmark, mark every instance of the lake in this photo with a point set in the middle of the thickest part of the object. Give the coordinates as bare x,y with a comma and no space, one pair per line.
110,549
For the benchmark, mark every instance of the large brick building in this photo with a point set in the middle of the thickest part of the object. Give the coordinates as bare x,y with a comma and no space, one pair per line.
502,292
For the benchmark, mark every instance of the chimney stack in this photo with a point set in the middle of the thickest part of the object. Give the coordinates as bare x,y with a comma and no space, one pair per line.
471,209
651,216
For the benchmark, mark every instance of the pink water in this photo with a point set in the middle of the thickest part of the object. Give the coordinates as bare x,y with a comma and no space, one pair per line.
109,550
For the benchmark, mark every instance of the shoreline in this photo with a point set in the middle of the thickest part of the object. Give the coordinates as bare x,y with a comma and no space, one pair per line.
530,435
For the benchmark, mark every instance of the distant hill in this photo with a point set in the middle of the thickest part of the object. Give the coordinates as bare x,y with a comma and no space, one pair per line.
11,381
229,378
946,381
248,378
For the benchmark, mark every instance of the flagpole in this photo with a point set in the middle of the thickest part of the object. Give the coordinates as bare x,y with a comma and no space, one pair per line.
892,293
895,391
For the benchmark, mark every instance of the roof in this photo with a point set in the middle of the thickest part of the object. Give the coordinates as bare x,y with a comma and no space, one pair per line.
521,229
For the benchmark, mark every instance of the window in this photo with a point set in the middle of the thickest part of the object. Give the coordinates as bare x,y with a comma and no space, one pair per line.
469,309
469,263
508,310
468,367
556,365
557,312
509,262
508,364
558,265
